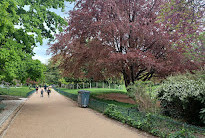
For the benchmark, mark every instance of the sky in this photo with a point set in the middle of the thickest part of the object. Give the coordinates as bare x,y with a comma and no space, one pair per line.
41,50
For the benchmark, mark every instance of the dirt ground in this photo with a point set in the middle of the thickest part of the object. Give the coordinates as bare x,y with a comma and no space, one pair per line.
59,117
117,97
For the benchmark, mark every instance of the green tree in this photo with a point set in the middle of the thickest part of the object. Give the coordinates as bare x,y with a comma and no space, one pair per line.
52,74
23,24
35,70
11,61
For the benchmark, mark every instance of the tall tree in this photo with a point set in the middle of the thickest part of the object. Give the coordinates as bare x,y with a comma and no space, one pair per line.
52,73
23,24
185,19
113,37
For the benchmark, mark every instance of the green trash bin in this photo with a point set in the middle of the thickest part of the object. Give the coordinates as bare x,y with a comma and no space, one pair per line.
83,98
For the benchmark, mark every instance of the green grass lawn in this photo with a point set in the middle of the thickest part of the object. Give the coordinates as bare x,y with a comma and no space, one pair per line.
18,91
120,104
95,91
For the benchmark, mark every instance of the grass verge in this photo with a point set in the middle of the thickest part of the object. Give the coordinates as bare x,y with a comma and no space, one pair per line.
97,91
18,91
94,91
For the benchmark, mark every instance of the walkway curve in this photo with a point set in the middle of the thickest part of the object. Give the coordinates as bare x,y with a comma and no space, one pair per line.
59,117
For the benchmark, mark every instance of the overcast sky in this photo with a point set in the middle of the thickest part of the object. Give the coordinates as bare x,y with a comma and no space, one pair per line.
40,51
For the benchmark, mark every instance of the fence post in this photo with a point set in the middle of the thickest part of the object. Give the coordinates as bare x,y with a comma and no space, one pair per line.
103,107
109,85
96,85
103,85
90,85
128,112
83,85
77,85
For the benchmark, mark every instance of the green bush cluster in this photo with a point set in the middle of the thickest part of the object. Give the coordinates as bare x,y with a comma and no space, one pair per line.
183,97
112,112
146,123
181,134
145,100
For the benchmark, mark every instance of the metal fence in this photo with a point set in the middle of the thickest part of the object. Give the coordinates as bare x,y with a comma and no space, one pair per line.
74,97
92,85
158,121
29,93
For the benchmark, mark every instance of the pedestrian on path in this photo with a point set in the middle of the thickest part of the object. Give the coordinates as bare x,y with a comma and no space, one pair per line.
36,89
49,90
41,92
45,87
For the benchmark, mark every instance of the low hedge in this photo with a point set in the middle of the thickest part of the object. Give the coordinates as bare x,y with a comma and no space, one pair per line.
156,125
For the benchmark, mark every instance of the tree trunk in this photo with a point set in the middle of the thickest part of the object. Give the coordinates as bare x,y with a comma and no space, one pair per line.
126,78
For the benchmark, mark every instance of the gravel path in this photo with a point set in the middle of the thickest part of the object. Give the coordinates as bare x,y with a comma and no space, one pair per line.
11,106
59,117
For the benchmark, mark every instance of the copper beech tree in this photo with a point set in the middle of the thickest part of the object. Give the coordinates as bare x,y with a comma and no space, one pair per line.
129,38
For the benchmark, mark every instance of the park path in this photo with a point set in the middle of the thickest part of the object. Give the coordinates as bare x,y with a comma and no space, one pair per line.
59,117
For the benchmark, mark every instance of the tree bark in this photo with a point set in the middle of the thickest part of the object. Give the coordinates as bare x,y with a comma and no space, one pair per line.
126,78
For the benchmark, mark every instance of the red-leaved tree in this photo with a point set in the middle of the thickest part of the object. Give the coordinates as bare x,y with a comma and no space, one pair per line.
110,38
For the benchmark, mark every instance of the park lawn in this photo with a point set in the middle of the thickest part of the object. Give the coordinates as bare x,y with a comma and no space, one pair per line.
18,91
95,91
99,91
120,104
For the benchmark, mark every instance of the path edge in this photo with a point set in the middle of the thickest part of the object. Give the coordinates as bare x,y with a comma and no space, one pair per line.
140,132
10,118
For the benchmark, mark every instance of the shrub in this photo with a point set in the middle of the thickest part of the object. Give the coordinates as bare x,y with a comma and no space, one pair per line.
202,115
143,99
181,134
145,124
112,112
183,97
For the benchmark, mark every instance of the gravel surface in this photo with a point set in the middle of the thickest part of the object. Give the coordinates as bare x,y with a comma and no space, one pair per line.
59,117
11,106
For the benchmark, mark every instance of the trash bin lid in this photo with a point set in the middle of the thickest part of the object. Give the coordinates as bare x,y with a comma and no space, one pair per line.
83,91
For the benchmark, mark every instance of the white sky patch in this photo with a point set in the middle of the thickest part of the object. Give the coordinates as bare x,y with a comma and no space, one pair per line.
41,51
43,59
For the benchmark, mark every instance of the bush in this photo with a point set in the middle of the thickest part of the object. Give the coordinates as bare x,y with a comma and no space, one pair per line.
146,124
183,97
139,93
181,134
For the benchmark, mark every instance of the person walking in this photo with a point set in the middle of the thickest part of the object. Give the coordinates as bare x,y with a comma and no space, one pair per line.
41,92
36,89
45,87
49,91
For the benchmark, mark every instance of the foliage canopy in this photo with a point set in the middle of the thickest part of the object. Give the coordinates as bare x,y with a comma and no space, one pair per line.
135,39
23,24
